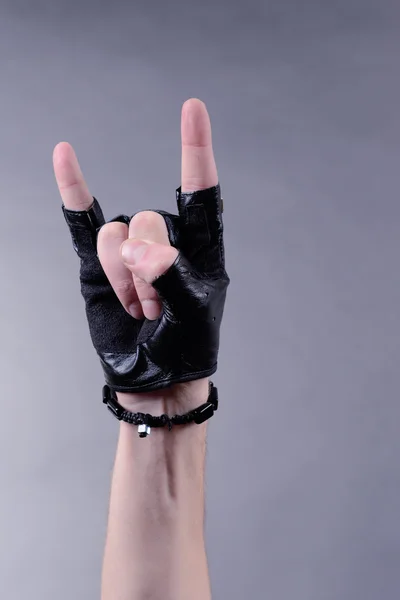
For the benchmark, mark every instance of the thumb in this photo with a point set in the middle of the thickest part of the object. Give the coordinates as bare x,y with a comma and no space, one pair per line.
146,259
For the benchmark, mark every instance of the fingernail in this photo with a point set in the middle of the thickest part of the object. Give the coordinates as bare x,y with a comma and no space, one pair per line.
135,309
151,309
132,251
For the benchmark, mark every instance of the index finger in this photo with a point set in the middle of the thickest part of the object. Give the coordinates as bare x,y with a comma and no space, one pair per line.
199,197
199,170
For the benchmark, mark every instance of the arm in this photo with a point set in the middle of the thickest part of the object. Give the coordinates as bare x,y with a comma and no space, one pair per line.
155,540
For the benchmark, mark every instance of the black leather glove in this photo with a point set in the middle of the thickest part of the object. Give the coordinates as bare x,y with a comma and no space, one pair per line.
182,344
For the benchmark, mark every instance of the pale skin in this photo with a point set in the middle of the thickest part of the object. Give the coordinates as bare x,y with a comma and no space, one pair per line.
155,540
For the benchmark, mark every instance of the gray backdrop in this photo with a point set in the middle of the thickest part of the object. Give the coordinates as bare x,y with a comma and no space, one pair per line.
303,475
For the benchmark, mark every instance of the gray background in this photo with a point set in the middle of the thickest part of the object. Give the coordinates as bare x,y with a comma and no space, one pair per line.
303,470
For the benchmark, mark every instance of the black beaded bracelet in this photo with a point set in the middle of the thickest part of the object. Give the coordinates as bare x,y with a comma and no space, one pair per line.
145,421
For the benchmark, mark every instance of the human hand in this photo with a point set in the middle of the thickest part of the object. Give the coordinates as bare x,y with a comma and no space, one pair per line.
154,319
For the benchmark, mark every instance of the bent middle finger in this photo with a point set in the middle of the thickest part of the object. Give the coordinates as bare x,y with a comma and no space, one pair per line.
148,225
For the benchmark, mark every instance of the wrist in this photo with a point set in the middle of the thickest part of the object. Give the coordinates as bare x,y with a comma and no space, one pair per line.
176,399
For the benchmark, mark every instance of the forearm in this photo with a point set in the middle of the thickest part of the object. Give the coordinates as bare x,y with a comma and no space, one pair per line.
155,541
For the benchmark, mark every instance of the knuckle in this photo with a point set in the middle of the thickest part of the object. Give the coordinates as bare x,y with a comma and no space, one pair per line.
146,291
113,230
145,219
124,287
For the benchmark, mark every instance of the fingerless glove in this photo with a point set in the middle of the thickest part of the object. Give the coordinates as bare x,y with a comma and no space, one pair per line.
183,343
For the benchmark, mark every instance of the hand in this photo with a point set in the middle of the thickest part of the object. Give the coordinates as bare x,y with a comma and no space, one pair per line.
128,279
